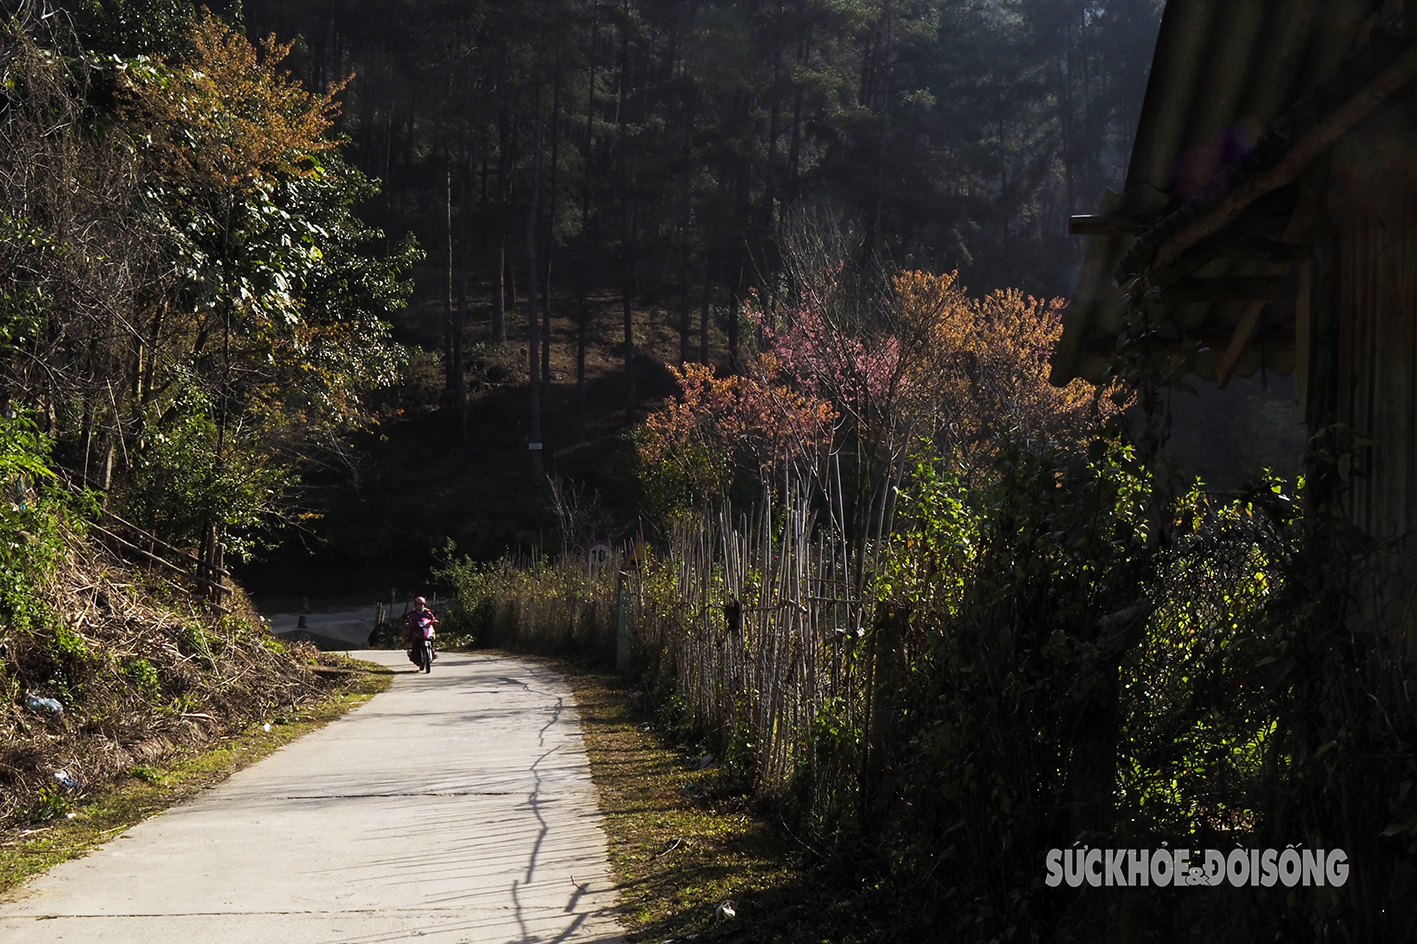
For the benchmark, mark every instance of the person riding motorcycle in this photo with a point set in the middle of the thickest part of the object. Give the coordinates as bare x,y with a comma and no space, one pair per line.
418,624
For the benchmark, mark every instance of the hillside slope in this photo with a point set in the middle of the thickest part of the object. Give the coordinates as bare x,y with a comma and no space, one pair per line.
418,482
106,669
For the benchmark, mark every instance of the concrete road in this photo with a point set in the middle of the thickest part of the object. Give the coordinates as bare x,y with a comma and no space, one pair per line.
456,807
338,630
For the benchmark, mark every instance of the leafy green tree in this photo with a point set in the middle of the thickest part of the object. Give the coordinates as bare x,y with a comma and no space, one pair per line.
183,258
180,483
277,317
136,27
29,544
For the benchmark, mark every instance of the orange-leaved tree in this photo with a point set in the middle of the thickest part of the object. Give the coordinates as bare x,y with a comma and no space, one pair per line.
228,120
271,329
982,373
692,449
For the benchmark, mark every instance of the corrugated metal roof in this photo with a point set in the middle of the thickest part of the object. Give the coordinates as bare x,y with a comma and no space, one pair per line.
1223,72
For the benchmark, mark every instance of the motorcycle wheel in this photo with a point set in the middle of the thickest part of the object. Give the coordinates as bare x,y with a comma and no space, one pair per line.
426,654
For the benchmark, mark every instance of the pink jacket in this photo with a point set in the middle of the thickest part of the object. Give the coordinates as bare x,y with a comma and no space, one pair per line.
419,624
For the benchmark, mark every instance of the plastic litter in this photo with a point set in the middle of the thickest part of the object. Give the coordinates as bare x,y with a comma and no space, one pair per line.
266,726
39,703
726,910
67,780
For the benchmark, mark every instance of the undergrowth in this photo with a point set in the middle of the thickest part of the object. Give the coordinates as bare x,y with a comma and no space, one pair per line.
1055,657
106,668
687,837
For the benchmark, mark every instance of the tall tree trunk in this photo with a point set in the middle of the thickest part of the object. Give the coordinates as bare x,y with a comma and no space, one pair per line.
627,291
511,280
582,317
538,469
627,252
389,142
686,151
460,323
449,374
583,306
150,366
551,219
506,295
499,294
886,51
733,298
794,149
87,432
685,315
704,312
770,179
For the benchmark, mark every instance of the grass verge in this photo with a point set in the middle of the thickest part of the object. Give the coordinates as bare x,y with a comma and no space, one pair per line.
98,817
682,842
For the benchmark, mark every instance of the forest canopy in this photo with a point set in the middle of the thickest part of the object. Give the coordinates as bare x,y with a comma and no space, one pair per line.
960,133
662,146
192,308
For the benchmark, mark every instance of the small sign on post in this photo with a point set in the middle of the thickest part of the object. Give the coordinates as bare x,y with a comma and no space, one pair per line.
597,555
636,556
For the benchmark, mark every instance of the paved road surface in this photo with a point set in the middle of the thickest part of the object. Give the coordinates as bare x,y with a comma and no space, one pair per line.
456,807
339,630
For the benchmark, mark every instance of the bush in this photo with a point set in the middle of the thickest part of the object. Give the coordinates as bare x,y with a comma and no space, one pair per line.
556,608
29,525
182,484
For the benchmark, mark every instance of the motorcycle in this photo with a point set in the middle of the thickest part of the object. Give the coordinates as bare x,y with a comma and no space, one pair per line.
421,653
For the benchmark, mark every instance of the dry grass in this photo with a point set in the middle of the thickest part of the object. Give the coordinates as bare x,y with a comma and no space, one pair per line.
143,674
682,842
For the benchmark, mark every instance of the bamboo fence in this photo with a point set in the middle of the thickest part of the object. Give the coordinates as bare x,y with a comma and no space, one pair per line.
760,620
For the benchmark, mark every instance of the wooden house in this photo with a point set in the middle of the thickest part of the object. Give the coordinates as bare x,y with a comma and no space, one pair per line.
1272,196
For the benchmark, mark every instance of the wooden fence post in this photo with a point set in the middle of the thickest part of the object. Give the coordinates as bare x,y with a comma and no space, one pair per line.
622,624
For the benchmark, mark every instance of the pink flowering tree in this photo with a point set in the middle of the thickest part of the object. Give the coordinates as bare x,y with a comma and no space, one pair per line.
852,370
912,360
693,448
833,341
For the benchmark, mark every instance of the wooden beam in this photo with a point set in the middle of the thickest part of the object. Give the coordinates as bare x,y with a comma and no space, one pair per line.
69,474
1228,288
1263,250
1319,138
158,560
1244,334
1300,224
156,540
1107,224
1258,222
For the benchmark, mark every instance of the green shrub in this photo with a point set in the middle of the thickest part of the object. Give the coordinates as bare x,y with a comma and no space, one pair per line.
50,804
143,676
192,641
29,533
148,775
552,607
181,483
